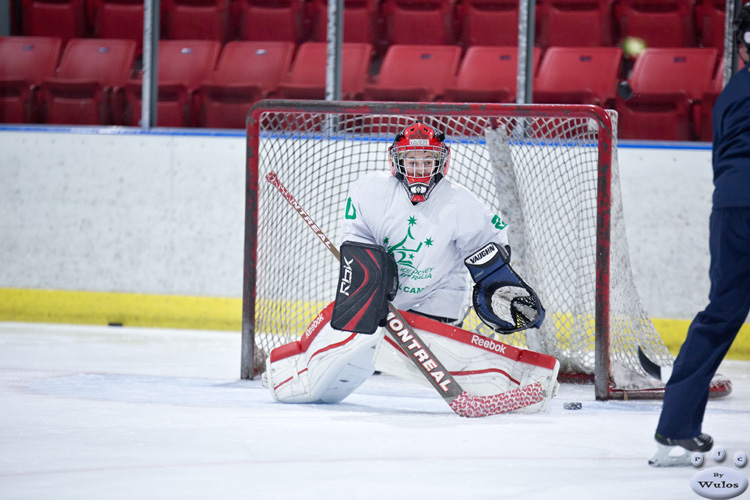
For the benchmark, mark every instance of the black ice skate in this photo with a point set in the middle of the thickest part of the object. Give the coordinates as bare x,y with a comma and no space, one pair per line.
677,452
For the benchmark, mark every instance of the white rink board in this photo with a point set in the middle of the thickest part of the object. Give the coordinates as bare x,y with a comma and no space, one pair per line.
162,213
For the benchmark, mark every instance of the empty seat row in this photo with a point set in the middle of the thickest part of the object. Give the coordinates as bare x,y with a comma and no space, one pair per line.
673,89
660,23
201,84
83,86
218,20
558,23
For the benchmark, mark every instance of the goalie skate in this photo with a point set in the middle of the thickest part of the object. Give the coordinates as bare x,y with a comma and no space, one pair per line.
678,452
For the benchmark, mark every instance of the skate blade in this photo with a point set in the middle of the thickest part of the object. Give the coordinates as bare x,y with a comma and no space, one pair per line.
670,456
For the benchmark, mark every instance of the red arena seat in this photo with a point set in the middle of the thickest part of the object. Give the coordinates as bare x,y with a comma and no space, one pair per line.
415,73
576,23
579,75
666,84
703,116
419,22
119,19
307,78
196,20
489,22
710,16
89,81
272,20
64,19
360,21
488,74
246,72
660,23
183,66
24,63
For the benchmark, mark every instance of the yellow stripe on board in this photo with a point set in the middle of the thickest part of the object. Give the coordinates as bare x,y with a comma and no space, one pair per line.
210,313
674,331
127,309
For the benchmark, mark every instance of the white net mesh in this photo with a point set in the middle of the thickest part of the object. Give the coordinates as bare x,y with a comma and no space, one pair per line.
541,173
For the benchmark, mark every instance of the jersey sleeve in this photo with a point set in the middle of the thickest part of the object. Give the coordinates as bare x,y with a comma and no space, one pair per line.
353,222
478,225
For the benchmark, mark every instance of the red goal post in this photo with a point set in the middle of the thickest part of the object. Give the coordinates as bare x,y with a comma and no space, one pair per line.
549,169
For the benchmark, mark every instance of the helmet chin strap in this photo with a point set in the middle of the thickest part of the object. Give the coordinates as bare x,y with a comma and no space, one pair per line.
420,187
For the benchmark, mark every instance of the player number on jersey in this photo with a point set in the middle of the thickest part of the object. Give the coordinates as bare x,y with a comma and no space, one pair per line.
351,212
498,222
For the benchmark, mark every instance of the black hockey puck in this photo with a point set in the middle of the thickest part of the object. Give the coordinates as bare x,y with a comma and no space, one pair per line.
573,406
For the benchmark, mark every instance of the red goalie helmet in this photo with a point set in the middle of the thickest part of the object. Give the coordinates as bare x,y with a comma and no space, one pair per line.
419,159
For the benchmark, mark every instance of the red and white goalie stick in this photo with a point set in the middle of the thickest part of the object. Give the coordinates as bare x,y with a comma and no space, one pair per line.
460,401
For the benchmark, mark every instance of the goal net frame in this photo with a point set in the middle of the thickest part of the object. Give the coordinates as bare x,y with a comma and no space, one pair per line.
595,117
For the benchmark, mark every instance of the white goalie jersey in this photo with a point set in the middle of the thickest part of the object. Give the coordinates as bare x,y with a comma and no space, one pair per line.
429,240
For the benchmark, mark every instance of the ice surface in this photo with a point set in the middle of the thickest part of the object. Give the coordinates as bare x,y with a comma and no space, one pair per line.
125,413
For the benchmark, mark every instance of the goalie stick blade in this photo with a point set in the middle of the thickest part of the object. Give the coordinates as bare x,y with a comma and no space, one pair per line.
656,371
649,366
468,405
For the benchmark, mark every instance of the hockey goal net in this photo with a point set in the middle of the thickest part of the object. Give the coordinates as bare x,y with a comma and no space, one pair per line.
550,170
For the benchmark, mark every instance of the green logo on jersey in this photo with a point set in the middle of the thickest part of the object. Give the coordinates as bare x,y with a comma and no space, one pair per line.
405,250
498,222
351,212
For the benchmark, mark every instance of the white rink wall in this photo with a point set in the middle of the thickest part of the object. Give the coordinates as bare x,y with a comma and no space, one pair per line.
161,212
122,211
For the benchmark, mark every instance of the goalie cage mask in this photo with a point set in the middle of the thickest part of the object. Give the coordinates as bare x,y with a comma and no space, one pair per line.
421,144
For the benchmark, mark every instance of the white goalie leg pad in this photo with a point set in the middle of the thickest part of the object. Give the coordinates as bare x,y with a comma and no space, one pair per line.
324,366
481,365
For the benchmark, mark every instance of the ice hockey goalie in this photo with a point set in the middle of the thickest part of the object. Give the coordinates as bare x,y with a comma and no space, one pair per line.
414,233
